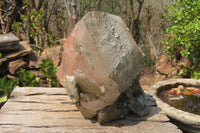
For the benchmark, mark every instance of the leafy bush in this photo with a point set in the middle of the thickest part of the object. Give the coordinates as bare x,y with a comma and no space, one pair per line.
183,37
27,78
32,27
6,86
49,71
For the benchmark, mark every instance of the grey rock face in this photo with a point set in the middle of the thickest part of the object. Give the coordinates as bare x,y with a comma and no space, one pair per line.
8,43
115,46
99,66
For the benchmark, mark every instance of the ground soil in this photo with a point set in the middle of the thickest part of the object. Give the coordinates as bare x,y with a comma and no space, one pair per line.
147,77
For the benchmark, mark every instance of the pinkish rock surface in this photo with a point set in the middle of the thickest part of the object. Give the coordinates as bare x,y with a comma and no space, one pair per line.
101,61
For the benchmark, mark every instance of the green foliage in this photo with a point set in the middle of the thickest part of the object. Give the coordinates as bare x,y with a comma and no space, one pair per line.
6,86
16,26
189,72
183,37
149,62
196,75
27,78
62,17
32,27
49,71
26,3
3,98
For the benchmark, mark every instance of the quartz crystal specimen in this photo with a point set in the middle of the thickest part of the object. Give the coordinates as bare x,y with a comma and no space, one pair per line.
100,63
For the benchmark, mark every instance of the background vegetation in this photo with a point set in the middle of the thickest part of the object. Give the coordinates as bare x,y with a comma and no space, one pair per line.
37,20
183,36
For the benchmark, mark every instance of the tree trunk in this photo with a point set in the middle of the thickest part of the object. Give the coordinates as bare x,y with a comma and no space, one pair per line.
71,6
125,13
99,5
139,8
135,22
132,17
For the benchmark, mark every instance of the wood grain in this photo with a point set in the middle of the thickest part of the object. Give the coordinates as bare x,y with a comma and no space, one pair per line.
50,110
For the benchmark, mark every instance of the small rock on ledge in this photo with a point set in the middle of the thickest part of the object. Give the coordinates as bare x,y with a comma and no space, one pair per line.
8,43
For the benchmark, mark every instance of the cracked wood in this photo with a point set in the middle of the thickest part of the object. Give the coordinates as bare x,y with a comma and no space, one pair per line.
51,110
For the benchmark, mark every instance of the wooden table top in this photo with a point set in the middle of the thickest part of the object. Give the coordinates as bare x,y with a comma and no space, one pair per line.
50,110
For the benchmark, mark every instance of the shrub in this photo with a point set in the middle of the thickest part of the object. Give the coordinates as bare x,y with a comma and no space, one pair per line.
6,87
49,71
31,25
27,78
183,36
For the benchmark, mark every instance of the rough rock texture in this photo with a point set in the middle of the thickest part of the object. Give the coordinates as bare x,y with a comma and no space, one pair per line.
13,60
8,43
34,61
53,53
15,65
100,62
164,65
24,50
163,70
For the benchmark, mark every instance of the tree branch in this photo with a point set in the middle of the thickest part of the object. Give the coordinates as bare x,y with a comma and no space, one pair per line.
40,4
139,8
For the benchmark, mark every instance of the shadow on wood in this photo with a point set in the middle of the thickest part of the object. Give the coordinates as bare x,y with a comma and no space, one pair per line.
51,110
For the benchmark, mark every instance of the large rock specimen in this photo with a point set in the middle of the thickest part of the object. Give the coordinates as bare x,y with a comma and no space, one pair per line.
99,66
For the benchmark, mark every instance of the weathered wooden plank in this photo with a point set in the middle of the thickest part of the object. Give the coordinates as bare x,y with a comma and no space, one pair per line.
142,127
57,113
35,115
51,110
23,91
36,106
72,118
42,99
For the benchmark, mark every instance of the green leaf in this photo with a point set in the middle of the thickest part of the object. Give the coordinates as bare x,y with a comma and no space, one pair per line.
8,87
27,78
3,98
49,71
16,26
3,82
26,3
24,18
183,36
